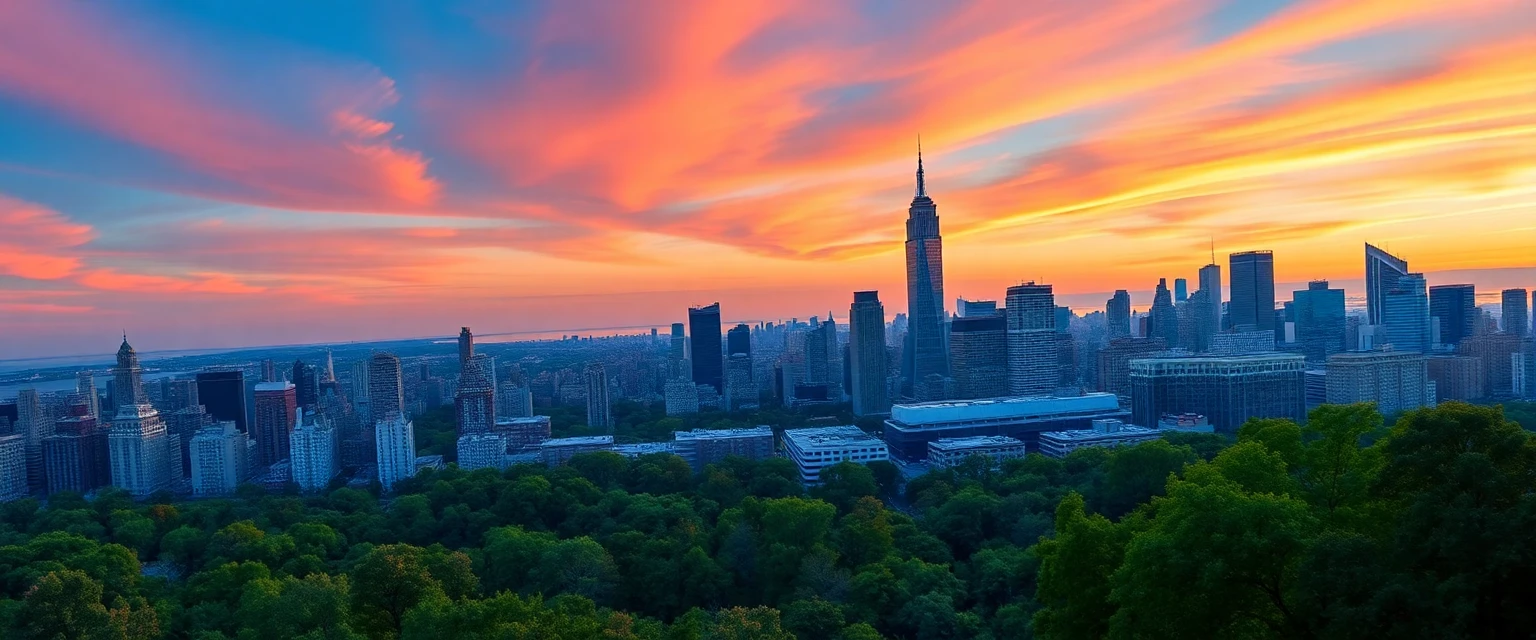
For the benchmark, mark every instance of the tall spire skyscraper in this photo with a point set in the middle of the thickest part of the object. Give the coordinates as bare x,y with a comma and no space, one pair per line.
925,353
141,451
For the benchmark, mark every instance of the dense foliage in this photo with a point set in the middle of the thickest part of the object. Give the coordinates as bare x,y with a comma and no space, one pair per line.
1340,528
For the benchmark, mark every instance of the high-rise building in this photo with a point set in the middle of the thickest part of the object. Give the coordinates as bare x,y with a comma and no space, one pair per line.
75,456
514,401
33,424
268,371
1115,358
1456,377
1210,282
868,366
314,450
1253,291
1229,390
738,340
144,457
924,354
1515,316
599,414
1396,381
276,407
1382,271
474,402
1180,290
306,384
1117,315
704,341
1405,319
222,393
13,467
681,396
1163,319
1319,318
978,356
740,390
395,443
466,346
1455,307
972,308
386,389
1031,339
1496,351
85,385
220,459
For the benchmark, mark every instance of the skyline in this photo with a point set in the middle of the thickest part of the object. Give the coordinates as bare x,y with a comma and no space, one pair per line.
219,179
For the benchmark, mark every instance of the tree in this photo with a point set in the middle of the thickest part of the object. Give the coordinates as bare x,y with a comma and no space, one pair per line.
1338,472
1280,436
1132,475
68,604
813,619
755,623
386,583
844,483
1075,570
579,566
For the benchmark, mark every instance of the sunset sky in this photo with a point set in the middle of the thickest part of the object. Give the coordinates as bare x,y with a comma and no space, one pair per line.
229,174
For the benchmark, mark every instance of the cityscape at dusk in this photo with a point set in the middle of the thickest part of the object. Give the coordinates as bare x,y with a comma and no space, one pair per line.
296,173
768,321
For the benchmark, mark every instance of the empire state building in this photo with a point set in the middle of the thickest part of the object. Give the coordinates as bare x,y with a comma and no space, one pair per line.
924,354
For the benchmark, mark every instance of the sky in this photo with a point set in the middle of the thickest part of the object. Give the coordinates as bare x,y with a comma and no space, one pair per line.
232,174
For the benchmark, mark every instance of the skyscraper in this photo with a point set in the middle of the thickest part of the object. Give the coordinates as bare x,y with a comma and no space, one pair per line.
1163,319
466,345
33,425
978,356
704,340
972,308
1382,271
141,452
1516,318
1319,318
85,385
276,403
1032,359
598,413
306,384
1455,306
1253,291
13,467
1180,290
1117,315
314,451
223,394
866,352
1396,381
474,402
738,340
219,459
1405,318
75,455
395,449
1210,282
924,354
386,390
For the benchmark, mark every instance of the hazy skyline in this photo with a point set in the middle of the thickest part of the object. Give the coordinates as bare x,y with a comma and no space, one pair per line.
286,173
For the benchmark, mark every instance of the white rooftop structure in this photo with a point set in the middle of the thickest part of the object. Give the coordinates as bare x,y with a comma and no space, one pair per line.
1105,433
1010,408
949,452
722,434
818,447
578,441
642,448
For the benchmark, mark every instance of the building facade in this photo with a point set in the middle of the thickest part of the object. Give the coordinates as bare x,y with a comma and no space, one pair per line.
868,364
1117,315
948,452
702,447
276,409
315,450
1514,314
1228,390
912,426
1456,377
1382,271
1495,351
817,448
1396,381
13,467
474,402
1252,276
143,456
1455,307
1031,313
1406,321
386,388
1318,312
978,352
219,459
1115,362
599,412
1103,433
704,342
482,451
560,450
924,352
395,450
75,457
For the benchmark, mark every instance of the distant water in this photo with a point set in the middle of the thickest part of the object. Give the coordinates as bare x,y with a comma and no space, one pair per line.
8,390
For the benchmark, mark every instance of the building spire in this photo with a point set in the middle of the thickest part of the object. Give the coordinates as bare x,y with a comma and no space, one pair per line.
922,189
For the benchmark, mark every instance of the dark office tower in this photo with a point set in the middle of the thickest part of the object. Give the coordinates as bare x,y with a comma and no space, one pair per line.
1455,306
1406,323
704,339
1180,290
1032,356
386,389
1319,318
1210,282
1253,291
971,308
1516,319
599,413
1163,319
268,371
1382,271
978,349
738,340
924,355
679,346
306,383
466,345
223,395
76,454
868,368
33,424
276,403
1117,315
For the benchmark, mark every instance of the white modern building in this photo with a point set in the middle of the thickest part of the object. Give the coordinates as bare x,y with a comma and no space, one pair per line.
703,447
816,448
949,452
220,461
314,451
395,444
1105,433
559,451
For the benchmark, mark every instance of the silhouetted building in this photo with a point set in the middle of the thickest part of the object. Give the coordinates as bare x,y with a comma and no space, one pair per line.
1456,377
1115,362
978,352
276,406
75,456
306,384
868,366
1382,271
386,389
738,340
1319,316
466,346
972,308
704,340
222,393
1253,291
1496,351
1210,282
1163,320
1117,315
474,402
1515,316
1455,306
912,427
924,354
599,415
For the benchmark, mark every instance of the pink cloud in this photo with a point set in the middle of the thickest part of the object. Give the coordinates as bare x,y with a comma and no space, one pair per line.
38,243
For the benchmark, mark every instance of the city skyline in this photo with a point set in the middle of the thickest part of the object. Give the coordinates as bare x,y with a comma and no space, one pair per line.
192,186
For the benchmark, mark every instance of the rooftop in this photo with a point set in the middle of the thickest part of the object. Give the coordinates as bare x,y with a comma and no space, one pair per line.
521,420
578,441
642,448
722,434
974,442
1021,407
821,436
274,386
1088,435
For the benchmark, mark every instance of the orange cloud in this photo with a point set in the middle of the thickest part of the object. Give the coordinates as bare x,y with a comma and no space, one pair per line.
37,243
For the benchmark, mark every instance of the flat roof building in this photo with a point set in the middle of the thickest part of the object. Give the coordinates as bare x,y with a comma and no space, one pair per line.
1105,433
703,447
522,433
643,449
816,448
912,426
949,452
1226,389
559,451
1395,380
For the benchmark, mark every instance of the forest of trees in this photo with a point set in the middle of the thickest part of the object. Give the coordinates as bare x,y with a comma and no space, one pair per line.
1342,528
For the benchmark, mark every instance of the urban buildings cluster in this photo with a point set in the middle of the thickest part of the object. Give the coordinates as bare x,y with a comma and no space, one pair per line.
997,378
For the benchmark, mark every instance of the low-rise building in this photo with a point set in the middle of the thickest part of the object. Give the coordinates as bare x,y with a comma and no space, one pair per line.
1105,433
643,449
1456,377
682,396
816,448
949,452
1229,390
703,447
912,426
522,433
559,451
1185,423
482,451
